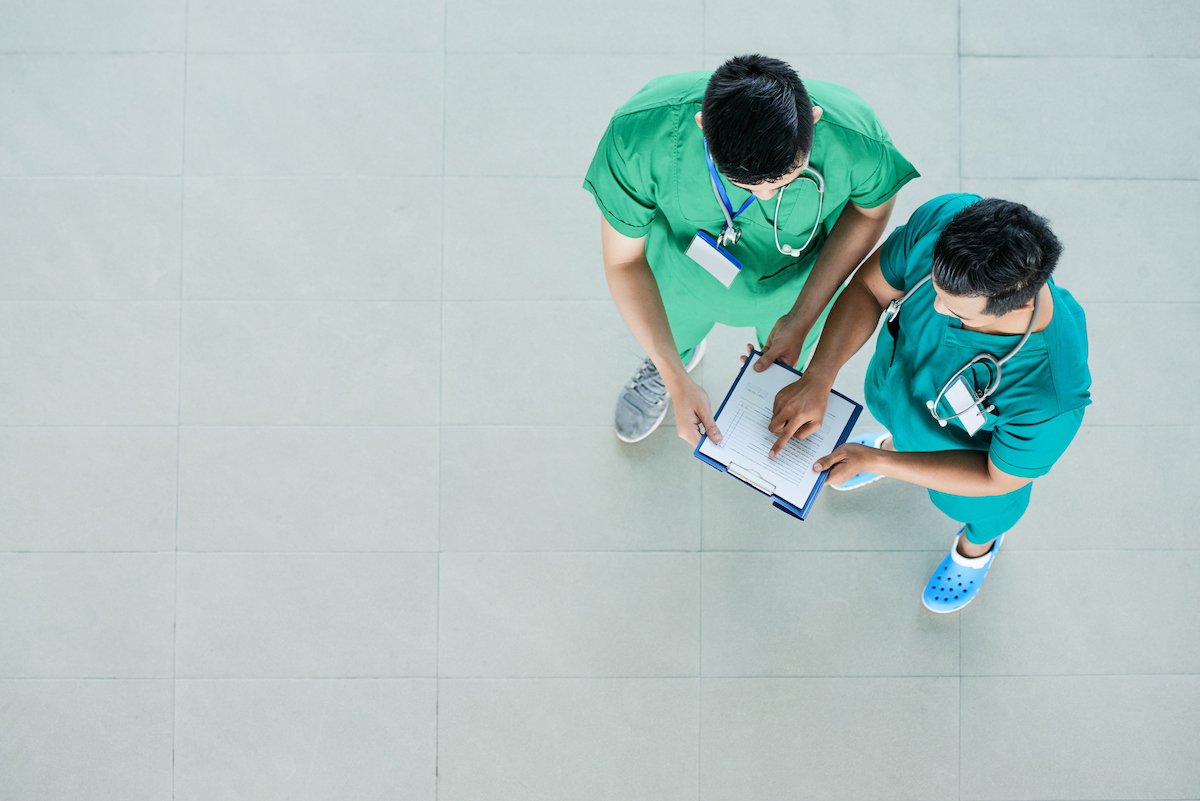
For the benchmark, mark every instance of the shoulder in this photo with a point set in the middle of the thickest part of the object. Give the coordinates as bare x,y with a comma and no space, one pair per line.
1067,346
935,214
907,253
654,115
664,95
845,113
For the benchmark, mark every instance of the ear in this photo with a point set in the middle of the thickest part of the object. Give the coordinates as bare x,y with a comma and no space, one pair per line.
698,121
817,112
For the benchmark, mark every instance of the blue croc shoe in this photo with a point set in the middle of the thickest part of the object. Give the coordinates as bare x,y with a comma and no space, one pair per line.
957,579
873,440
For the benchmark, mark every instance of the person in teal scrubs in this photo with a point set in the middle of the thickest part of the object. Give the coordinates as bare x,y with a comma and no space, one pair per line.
965,276
809,175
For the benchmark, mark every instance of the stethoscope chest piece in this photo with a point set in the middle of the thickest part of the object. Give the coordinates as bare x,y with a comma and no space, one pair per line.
729,236
994,365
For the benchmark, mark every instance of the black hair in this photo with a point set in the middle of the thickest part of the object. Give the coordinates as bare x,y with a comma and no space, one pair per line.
757,118
996,249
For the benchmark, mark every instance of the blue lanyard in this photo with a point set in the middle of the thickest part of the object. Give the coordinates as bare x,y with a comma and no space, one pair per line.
712,170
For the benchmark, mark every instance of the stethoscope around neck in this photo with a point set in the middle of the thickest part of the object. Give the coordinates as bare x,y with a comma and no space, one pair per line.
730,235
991,362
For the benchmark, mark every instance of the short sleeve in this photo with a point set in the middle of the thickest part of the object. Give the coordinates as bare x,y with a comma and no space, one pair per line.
621,183
880,171
909,248
1029,450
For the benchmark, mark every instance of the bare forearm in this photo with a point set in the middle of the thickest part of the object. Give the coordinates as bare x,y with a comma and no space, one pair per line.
637,297
963,472
851,240
851,323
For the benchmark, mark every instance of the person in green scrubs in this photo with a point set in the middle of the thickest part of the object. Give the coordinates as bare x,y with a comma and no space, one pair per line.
815,174
974,276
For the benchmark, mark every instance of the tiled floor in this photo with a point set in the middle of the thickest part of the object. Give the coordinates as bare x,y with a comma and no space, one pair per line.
307,364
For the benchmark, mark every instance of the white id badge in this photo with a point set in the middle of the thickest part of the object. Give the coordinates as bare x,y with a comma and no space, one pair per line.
963,402
719,263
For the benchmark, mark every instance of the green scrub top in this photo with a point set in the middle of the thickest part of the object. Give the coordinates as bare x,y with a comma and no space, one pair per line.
1044,388
650,178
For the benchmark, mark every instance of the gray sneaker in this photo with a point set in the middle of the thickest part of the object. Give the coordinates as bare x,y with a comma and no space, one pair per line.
644,400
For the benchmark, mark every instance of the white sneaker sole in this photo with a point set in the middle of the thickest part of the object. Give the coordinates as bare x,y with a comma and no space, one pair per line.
697,355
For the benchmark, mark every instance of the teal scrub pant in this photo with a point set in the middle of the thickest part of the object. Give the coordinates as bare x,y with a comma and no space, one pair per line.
986,517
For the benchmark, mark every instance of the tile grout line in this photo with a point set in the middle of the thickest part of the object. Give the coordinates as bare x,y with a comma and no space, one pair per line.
387,176
568,54
329,176
676,678
179,406
700,643
958,64
726,552
437,593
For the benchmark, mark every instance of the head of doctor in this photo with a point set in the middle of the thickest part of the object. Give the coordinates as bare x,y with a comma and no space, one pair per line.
992,259
758,121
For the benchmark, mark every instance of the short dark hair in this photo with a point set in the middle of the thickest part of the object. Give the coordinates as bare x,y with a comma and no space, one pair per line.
757,118
996,249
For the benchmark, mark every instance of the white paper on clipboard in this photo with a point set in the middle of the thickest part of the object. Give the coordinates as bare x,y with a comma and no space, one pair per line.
745,439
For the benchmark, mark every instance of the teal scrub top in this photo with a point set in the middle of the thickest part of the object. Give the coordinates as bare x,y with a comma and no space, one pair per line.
650,178
1043,390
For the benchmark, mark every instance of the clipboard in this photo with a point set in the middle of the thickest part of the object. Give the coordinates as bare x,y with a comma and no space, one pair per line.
755,479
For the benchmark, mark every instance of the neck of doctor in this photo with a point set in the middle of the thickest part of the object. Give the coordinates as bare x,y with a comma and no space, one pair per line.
1016,322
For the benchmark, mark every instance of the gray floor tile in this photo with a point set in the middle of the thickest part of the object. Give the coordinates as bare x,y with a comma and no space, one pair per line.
889,515
534,363
543,26
557,614
87,615
313,239
1129,359
75,25
90,239
1096,737
315,26
1079,612
829,738
916,98
1101,260
539,114
89,363
588,739
1088,502
556,258
91,114
823,614
313,739
1097,28
86,740
314,114
308,489
859,26
307,615
1052,118
310,363
87,489
567,489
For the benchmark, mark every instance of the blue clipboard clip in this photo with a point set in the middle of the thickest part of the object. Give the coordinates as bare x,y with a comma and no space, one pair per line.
752,477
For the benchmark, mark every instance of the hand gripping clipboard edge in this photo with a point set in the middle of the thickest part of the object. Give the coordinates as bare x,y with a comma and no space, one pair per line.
751,477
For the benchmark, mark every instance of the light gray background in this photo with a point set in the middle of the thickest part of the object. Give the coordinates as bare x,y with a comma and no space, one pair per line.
308,488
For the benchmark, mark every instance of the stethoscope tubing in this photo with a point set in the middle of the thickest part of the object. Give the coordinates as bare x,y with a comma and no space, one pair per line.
893,311
730,234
